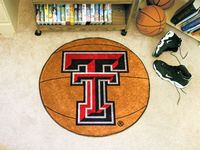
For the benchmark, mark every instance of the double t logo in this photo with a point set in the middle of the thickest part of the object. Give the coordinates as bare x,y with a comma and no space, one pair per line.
95,71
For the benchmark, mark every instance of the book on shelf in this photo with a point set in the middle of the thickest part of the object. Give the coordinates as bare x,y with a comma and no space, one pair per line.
191,8
92,14
191,19
109,7
37,16
54,12
63,14
41,15
97,14
84,14
46,12
58,21
73,14
105,14
88,13
101,14
196,32
80,14
193,28
50,14
67,13
191,24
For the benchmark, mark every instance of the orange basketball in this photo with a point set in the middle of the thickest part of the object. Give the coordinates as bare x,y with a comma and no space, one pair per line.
164,4
123,84
151,20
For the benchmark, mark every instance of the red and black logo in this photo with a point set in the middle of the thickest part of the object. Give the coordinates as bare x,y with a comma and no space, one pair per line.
95,71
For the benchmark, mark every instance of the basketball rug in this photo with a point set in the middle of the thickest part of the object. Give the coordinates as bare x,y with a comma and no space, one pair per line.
94,87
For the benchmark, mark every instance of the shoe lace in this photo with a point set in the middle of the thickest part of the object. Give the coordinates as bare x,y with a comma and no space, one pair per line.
179,94
183,57
180,50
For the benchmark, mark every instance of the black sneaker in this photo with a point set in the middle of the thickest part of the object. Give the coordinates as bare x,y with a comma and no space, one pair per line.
177,75
170,42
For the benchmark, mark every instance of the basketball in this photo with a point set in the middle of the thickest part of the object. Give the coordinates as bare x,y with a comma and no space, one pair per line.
151,20
164,4
61,97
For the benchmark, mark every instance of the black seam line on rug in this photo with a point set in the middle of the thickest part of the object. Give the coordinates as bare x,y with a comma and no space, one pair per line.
132,113
93,44
53,79
164,4
158,2
70,77
89,38
115,118
150,26
134,77
59,113
149,16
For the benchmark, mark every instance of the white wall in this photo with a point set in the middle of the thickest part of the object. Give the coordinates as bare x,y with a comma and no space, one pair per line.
8,16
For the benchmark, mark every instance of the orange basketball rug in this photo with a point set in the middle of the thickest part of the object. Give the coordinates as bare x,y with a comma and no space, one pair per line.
94,87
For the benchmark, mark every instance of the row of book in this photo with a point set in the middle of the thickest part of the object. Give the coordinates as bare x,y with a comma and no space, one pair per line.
73,14
188,17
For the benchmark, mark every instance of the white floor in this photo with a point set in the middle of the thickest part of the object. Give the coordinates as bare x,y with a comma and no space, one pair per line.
25,125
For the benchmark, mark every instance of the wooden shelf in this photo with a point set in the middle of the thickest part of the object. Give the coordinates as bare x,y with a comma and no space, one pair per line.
171,11
82,1
118,23
122,13
50,28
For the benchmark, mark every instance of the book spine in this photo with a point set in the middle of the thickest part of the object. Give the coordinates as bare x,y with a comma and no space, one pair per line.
37,15
80,14
50,12
54,14
92,13
109,13
101,14
191,19
46,13
181,16
99,22
191,25
184,7
63,16
71,14
42,14
67,14
193,28
84,19
58,14
75,14
88,14
105,14
96,14
196,32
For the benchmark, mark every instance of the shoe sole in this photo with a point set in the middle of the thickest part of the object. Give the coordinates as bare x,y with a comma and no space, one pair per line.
166,79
